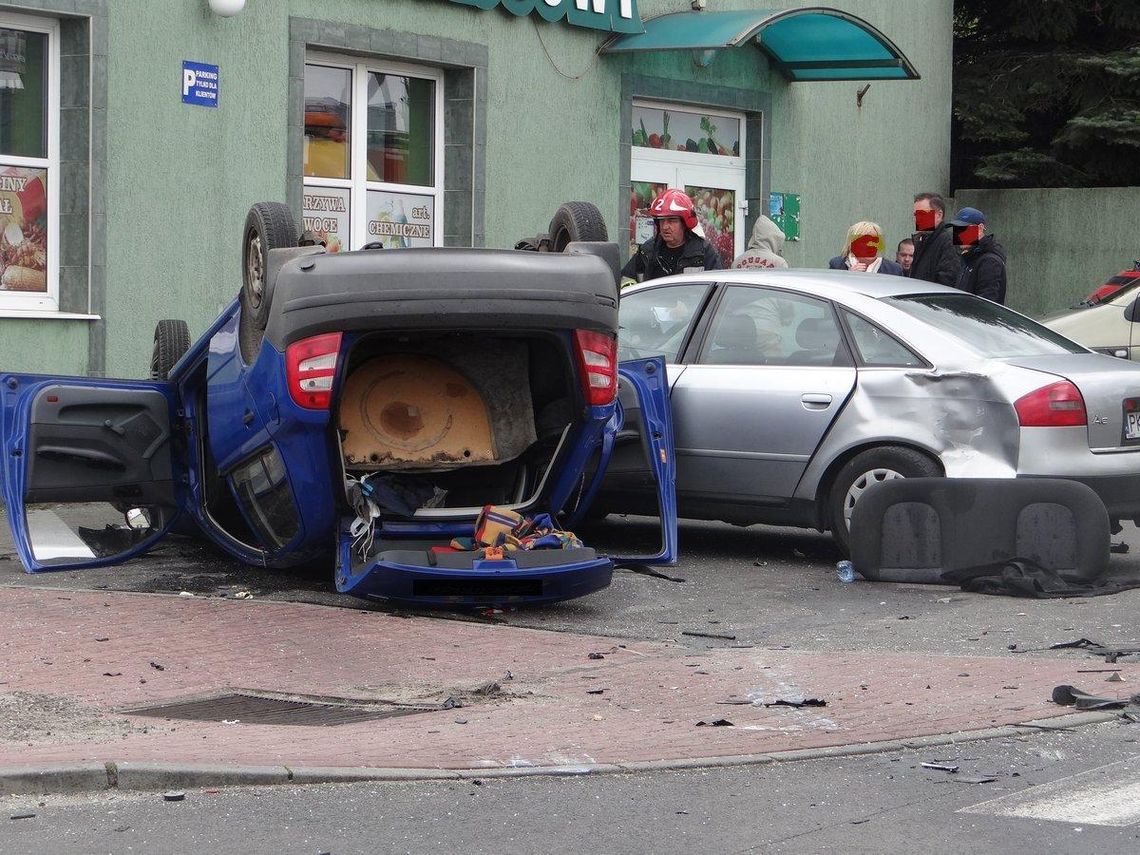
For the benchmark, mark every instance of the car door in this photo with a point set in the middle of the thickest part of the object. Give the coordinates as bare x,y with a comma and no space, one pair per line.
92,468
657,320
765,382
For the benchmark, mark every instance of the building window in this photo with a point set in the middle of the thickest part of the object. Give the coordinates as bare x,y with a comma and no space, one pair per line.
373,153
29,164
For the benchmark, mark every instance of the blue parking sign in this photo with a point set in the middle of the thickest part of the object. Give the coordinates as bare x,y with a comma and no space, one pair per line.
200,84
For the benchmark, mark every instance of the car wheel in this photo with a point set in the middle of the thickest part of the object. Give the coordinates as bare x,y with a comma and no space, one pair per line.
269,225
575,221
171,341
864,471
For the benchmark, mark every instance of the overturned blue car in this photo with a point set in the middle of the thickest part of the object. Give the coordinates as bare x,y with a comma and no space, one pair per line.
386,408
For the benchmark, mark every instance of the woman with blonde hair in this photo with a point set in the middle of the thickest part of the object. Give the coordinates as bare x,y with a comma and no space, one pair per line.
864,251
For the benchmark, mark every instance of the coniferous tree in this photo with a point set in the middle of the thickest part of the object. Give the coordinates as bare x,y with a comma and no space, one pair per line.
1046,93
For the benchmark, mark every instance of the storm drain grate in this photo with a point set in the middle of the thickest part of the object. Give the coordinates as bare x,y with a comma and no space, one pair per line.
238,707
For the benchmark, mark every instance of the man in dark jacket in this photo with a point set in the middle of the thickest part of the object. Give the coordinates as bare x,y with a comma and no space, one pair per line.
675,248
983,258
936,258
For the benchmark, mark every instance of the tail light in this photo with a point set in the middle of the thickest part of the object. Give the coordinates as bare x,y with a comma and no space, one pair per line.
1057,405
597,364
310,365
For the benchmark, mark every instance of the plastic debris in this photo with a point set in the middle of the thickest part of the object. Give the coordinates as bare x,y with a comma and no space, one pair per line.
845,570
185,594
696,634
24,815
941,767
243,595
1114,677
716,722
974,779
173,796
596,656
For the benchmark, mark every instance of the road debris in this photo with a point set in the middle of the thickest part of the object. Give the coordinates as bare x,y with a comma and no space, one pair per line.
796,702
696,634
941,767
716,722
736,701
157,667
1119,548
1070,696
174,796
974,779
596,656
185,594
24,815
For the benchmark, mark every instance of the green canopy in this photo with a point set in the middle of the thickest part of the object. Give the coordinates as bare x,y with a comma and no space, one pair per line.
811,43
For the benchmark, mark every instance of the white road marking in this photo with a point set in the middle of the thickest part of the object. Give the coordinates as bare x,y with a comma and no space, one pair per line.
51,537
1109,795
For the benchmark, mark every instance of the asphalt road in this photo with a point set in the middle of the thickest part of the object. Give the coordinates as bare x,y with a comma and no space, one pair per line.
878,803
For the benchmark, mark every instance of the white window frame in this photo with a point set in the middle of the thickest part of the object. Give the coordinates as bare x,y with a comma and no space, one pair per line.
14,303
357,182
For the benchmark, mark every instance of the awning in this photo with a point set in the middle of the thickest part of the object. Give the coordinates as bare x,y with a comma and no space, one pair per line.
811,43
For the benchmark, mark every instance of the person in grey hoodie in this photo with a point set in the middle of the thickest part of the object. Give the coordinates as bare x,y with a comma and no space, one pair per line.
771,316
764,247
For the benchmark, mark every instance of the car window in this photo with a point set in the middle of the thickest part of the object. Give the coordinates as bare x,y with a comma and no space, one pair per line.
876,346
654,322
988,329
762,326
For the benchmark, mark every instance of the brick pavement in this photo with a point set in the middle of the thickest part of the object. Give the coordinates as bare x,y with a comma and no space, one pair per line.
652,694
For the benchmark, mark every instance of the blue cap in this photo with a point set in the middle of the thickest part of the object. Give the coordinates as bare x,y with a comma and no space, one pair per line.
969,217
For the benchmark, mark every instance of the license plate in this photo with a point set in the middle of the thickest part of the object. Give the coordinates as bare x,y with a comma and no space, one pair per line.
1132,418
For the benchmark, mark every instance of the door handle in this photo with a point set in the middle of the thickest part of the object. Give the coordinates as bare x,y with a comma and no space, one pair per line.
815,400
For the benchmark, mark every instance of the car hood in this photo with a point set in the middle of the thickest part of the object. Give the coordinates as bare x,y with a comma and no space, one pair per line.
1104,383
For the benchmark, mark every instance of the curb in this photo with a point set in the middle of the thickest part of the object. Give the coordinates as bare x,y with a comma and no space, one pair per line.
90,776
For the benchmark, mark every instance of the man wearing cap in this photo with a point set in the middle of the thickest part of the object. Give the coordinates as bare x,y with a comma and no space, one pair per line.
935,257
983,258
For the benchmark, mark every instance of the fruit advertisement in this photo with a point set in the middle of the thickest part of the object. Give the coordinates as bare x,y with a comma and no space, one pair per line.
675,130
23,229
716,212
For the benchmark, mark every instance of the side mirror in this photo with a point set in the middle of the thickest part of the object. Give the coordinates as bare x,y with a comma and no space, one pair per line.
1132,313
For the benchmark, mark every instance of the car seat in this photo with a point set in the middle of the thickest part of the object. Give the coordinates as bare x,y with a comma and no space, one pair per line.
818,338
735,342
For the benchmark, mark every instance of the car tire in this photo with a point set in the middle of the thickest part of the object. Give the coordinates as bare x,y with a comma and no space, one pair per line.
171,341
269,225
576,221
863,471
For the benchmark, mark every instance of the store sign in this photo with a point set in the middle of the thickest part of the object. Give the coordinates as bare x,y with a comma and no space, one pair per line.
325,213
618,16
199,84
399,220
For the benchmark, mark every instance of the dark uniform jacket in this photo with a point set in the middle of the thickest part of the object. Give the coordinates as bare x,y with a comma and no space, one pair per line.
653,259
983,270
936,259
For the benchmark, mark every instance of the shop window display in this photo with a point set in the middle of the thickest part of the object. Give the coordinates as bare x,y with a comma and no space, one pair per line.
371,155
26,169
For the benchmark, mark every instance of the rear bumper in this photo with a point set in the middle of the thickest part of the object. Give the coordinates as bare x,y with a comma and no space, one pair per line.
488,583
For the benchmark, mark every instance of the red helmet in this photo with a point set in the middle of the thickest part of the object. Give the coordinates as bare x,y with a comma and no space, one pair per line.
674,203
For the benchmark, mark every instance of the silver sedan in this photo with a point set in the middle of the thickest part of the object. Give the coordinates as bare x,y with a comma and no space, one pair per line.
795,391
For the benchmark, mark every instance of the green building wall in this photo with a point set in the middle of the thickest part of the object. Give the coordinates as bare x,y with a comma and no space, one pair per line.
179,179
1061,243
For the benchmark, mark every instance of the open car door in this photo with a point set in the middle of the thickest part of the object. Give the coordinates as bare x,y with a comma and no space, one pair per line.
644,420
88,468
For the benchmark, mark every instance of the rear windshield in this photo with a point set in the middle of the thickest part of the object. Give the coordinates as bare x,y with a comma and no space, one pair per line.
986,328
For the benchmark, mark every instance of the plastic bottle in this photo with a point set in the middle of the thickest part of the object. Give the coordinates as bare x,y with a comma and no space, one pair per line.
845,570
